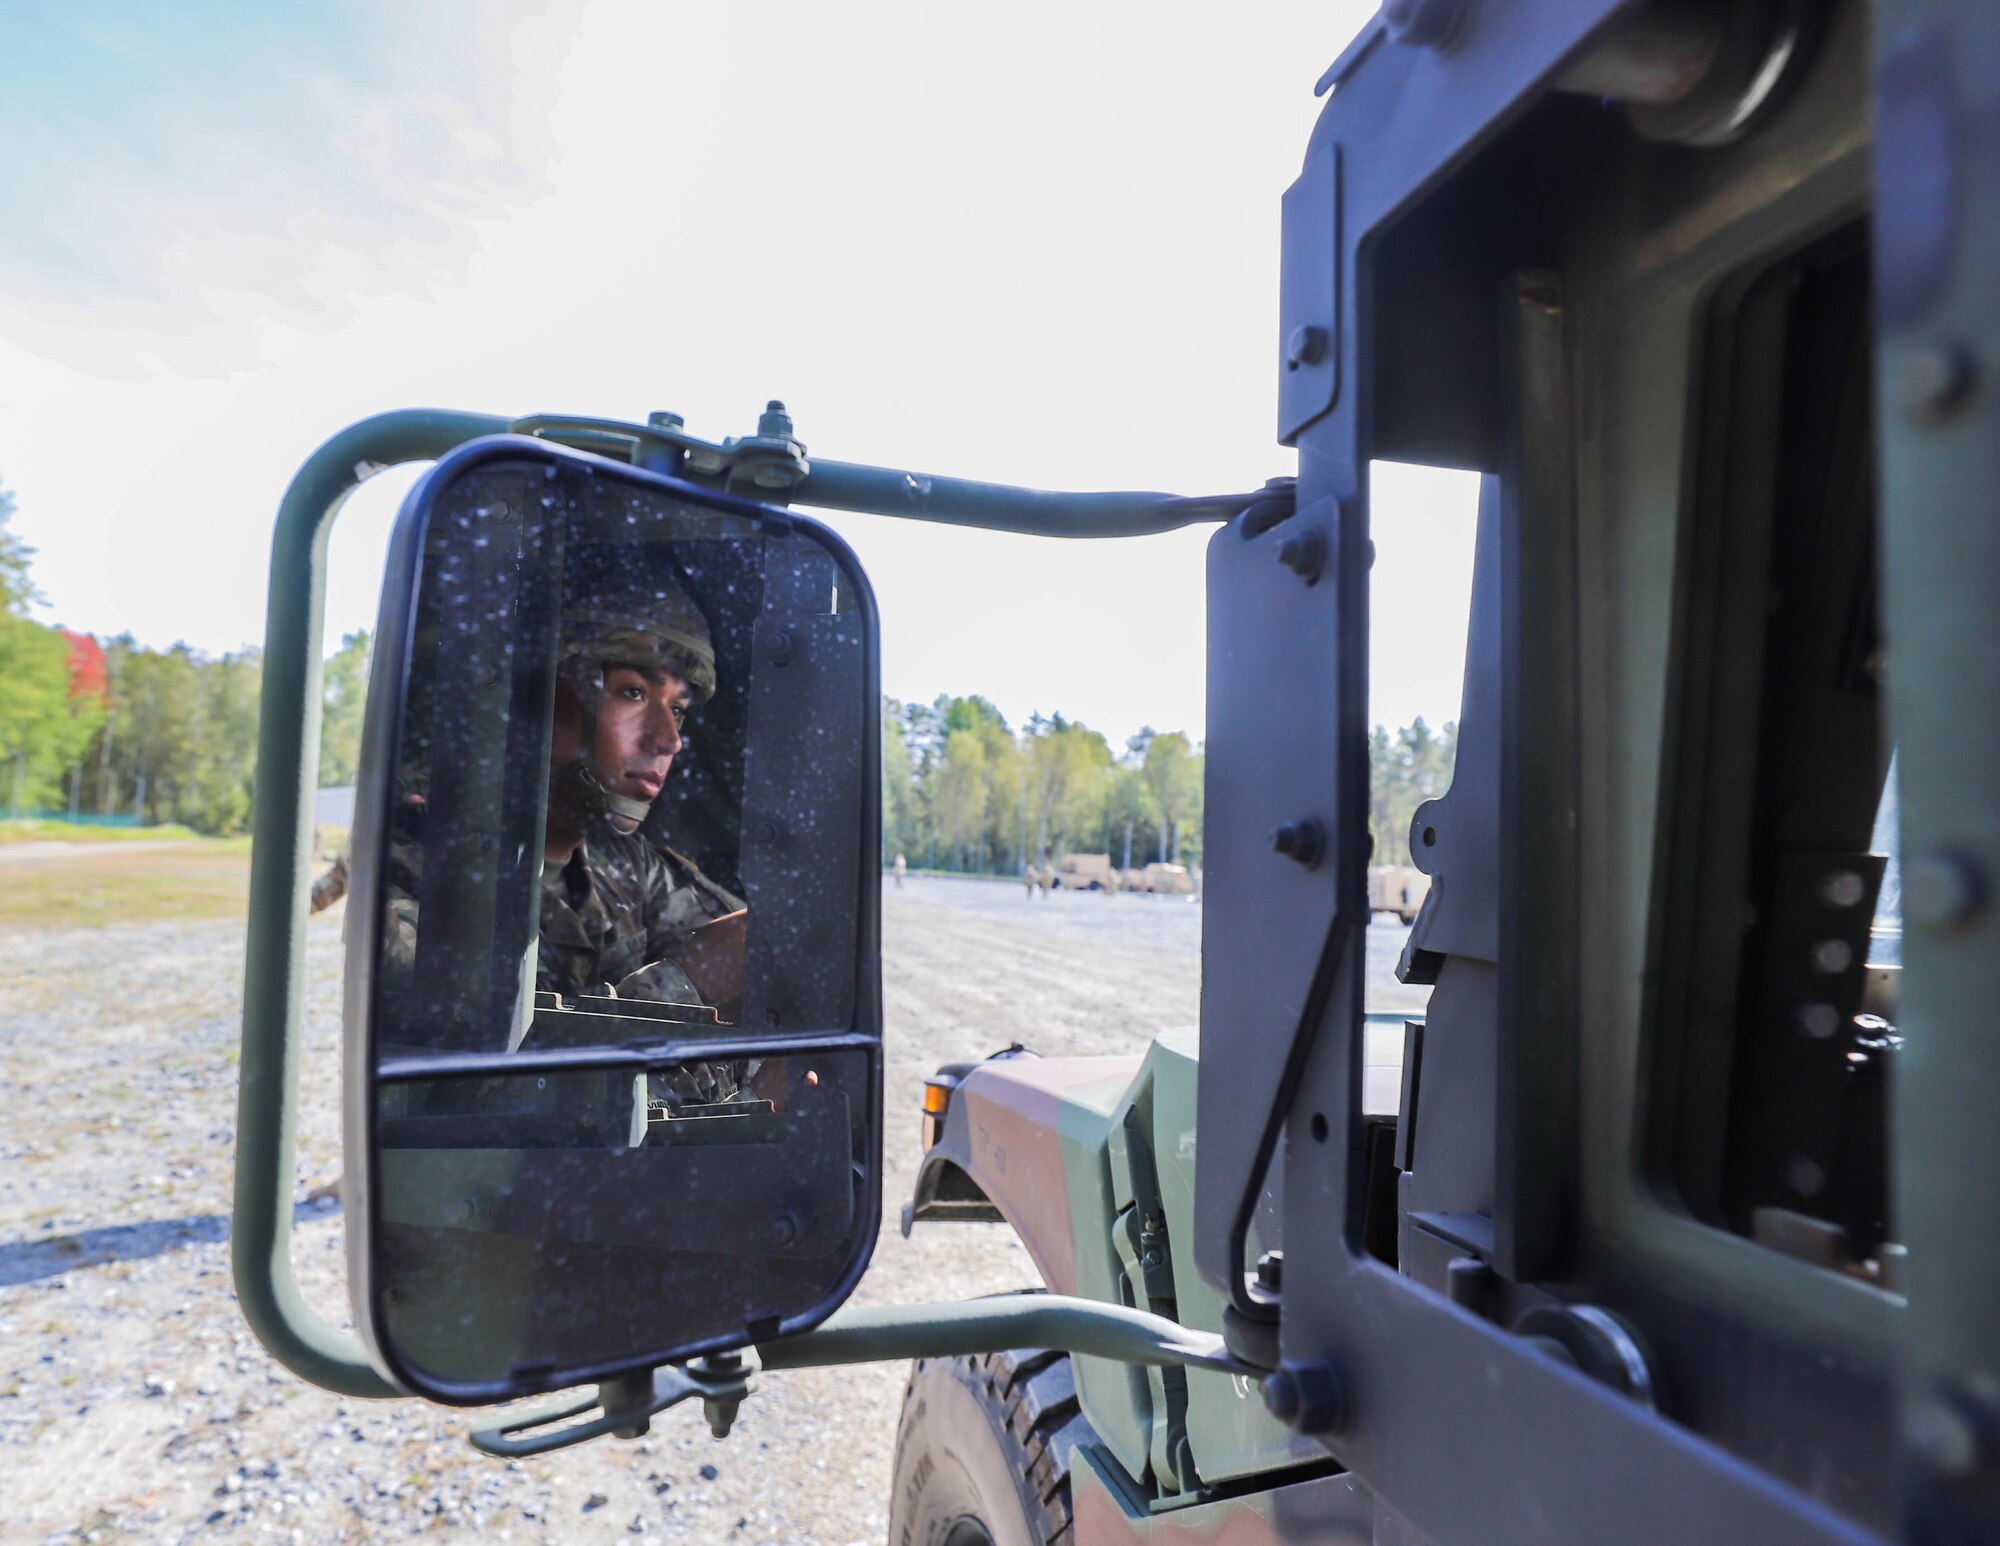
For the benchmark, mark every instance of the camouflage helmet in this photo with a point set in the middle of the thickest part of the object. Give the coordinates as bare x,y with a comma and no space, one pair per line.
659,627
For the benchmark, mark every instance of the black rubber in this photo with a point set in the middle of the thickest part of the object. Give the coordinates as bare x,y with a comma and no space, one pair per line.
983,1451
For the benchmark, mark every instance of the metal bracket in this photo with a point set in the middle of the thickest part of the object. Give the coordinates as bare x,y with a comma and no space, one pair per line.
628,1405
877,1335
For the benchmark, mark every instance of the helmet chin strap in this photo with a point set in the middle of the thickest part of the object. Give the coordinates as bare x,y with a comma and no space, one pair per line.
582,787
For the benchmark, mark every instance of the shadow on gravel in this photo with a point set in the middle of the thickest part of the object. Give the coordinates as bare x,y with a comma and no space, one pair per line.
28,1261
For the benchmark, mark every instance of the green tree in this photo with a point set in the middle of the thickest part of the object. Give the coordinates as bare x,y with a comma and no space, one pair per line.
344,698
901,826
1173,775
43,729
1405,768
961,798
1128,808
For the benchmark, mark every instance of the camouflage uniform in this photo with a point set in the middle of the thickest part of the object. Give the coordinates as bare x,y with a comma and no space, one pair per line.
619,905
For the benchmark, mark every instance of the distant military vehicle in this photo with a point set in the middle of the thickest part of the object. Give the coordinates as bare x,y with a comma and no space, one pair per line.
1397,889
1084,872
1673,1221
1162,879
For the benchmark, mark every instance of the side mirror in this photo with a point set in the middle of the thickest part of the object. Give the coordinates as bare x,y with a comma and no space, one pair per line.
613,1018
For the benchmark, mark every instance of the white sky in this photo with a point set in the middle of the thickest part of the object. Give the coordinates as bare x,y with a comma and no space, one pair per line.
1035,244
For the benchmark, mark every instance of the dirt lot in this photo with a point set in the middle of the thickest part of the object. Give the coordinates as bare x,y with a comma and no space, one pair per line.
134,1404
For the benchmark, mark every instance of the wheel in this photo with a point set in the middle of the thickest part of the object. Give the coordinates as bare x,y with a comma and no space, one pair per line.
983,1451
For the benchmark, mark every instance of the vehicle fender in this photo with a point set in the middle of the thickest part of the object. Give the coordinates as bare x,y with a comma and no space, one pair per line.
1022,1144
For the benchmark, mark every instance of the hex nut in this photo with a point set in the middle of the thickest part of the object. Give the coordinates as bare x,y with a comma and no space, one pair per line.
1307,1397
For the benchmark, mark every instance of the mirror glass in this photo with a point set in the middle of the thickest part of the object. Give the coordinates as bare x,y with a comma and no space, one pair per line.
614,1062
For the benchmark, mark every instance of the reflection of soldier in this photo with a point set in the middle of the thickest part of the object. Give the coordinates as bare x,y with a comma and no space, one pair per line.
1028,878
618,914
331,886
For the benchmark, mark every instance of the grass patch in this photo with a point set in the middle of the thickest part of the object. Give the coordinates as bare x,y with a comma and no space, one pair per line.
205,879
77,832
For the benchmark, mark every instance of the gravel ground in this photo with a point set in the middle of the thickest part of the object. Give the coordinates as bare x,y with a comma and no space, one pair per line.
135,1405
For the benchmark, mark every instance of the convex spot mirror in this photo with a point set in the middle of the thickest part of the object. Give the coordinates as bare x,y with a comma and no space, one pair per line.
613,1020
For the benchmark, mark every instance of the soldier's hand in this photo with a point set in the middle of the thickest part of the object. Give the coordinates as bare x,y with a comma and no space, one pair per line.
712,957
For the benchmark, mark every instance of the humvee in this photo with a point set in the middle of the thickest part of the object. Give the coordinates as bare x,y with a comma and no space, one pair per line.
1673,1219
1397,889
1085,872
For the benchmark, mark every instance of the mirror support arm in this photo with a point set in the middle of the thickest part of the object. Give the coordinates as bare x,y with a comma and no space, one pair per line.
879,1334
1003,507
274,968
772,465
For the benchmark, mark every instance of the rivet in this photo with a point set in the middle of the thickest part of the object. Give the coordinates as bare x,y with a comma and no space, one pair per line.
1818,1021
1304,553
1934,382
1804,1175
1951,1434
1303,842
1943,888
1306,345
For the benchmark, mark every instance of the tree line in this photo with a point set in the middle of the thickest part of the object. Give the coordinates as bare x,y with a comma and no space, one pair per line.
962,790
112,728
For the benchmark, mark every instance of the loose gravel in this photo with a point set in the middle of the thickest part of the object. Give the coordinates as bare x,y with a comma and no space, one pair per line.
136,1406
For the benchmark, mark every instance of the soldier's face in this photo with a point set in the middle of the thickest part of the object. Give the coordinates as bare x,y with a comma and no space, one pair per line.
639,729
639,717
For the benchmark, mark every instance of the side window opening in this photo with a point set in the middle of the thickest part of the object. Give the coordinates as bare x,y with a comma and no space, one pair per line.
1422,526
1776,1008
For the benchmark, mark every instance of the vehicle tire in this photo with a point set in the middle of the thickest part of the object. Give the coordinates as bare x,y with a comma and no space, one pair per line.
983,1451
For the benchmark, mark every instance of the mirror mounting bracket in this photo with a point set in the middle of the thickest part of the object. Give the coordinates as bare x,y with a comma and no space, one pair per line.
627,1406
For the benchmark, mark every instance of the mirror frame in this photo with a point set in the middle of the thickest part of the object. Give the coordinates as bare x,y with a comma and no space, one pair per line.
380,751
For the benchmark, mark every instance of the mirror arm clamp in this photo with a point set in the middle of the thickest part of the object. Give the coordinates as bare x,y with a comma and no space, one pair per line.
274,948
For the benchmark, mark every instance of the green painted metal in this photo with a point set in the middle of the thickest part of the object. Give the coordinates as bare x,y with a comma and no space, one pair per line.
1084,1326
274,968
772,464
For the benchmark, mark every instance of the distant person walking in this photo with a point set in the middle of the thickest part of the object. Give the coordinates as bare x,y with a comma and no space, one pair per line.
899,867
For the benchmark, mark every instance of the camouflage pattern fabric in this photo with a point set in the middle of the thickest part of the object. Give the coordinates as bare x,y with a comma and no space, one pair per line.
621,904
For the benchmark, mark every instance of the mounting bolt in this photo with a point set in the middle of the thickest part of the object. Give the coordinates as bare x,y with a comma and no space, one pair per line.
1307,1397
774,423
781,646
1271,1272
1306,345
1934,383
1943,888
1304,553
1424,23
664,420
1953,1434
1303,842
